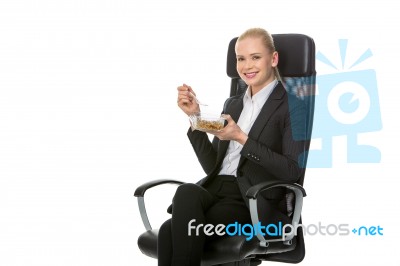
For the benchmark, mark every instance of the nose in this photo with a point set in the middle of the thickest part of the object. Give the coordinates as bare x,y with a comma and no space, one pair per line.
248,64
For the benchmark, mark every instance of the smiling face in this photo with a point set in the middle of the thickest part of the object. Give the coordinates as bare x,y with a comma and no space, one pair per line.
255,63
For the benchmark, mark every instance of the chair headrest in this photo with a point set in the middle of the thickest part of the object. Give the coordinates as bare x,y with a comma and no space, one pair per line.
296,55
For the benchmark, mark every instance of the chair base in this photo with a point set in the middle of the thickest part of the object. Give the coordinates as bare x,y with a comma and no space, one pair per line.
246,262
226,251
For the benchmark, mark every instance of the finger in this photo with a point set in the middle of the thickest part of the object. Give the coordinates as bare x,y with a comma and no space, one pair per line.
186,90
189,88
227,117
185,95
184,100
182,88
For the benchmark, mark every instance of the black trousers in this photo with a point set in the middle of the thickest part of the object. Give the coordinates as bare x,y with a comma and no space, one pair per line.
220,203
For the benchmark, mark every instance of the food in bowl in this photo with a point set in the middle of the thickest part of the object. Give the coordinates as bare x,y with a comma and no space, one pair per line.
207,122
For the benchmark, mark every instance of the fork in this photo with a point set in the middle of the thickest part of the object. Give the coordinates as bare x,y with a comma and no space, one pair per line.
197,100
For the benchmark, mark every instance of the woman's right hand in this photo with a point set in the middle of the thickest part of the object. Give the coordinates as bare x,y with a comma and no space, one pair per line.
186,101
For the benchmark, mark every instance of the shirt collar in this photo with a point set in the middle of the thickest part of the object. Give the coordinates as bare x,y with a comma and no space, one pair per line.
260,97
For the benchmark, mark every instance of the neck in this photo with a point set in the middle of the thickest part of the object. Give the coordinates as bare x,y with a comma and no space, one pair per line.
255,89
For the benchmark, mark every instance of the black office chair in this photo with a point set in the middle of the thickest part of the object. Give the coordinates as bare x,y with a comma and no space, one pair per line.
297,70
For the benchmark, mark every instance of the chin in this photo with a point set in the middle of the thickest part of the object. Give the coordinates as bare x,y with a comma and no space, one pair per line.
251,83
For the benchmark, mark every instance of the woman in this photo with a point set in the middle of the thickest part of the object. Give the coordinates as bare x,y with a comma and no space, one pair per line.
256,145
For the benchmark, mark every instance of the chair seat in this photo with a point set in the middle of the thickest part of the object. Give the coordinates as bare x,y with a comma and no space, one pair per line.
222,250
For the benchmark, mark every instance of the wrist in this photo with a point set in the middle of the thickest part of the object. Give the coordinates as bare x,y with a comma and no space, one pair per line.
242,138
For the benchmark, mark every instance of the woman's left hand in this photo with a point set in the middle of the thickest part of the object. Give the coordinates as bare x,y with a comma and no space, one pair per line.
231,132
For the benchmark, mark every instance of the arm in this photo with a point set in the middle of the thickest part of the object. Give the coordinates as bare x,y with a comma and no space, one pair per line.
285,163
206,151
276,148
284,166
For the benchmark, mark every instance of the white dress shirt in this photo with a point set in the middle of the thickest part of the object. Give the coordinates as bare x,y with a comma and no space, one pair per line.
251,109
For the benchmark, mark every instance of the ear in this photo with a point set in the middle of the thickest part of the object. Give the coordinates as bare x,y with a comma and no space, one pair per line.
275,59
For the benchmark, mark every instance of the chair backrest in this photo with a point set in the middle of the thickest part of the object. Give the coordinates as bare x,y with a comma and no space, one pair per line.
297,70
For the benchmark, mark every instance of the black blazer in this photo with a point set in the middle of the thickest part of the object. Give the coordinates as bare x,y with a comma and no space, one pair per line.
276,140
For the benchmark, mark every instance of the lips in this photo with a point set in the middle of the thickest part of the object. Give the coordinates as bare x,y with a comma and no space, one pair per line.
250,75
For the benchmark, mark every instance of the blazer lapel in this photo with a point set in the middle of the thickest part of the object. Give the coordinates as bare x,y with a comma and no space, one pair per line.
272,103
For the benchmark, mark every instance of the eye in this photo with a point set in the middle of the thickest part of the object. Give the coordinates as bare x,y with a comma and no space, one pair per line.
239,59
256,57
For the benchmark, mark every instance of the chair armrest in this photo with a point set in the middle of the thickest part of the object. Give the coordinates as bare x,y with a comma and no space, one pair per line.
141,190
254,190
252,194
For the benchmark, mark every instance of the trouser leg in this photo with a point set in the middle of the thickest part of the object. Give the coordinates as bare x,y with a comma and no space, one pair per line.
190,202
229,207
164,245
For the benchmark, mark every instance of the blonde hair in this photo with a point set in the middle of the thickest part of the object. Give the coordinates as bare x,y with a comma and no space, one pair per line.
267,40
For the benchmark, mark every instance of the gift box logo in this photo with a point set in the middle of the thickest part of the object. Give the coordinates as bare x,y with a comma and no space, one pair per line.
347,103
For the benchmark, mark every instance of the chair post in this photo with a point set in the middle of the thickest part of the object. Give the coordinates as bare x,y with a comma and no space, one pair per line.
245,262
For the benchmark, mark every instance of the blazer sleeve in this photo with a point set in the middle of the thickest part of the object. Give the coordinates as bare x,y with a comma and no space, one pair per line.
206,151
285,164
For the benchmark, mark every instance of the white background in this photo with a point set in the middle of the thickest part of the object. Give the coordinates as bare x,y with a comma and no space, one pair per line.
88,113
